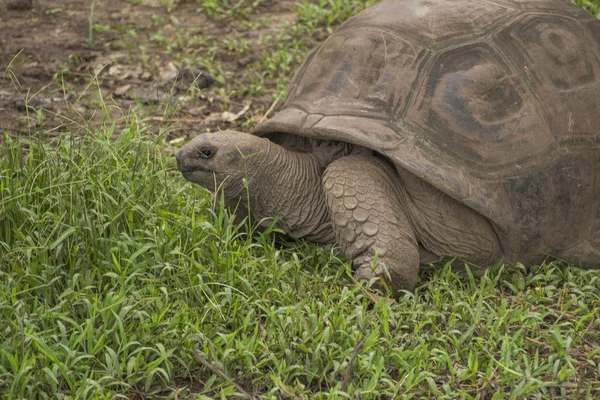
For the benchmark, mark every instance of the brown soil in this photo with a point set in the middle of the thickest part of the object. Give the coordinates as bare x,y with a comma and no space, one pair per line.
47,63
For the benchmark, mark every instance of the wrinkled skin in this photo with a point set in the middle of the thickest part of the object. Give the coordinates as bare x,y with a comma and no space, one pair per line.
387,222
281,184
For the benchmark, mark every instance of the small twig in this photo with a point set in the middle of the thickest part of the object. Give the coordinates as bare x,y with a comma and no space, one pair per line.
585,332
288,393
263,331
594,385
270,109
480,390
557,314
536,341
346,380
163,119
403,380
219,372
374,297
566,315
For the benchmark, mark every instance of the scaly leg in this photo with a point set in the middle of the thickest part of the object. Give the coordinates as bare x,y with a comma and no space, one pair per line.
369,219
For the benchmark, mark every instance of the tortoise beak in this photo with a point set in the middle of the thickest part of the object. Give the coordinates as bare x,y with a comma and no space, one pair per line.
192,170
184,162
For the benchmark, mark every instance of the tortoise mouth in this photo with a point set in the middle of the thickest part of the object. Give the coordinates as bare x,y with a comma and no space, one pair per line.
187,174
196,168
202,177
186,164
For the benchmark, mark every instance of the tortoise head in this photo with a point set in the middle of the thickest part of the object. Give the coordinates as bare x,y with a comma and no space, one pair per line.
222,159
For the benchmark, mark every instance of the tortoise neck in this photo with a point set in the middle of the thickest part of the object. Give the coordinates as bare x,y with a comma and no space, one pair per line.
286,185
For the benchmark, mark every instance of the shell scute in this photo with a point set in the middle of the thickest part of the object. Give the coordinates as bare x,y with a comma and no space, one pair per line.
561,62
476,108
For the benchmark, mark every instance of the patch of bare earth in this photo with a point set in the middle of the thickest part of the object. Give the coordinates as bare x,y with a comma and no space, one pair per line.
49,62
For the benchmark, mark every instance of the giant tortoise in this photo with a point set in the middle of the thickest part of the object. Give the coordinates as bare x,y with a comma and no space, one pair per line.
423,129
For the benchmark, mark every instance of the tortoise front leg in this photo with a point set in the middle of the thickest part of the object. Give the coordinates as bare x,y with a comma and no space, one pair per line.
368,219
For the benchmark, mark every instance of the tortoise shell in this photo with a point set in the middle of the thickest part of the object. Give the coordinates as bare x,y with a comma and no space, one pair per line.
496,103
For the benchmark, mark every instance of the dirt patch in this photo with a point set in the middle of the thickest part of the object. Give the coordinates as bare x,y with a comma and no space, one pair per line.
72,61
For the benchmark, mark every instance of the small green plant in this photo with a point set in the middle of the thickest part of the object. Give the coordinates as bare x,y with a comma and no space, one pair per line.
157,20
169,5
159,38
328,13
237,45
54,11
593,6
222,9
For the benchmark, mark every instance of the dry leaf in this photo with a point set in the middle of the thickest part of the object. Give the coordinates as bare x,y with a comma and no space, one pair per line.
122,90
231,117
177,140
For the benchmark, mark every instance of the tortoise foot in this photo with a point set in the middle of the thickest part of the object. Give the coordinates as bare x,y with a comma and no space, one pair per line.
369,223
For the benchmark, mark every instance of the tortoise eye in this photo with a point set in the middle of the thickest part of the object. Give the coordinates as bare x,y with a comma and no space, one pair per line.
205,153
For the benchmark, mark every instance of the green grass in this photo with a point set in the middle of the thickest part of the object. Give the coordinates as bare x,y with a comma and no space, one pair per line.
593,6
116,275
329,13
114,270
223,9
